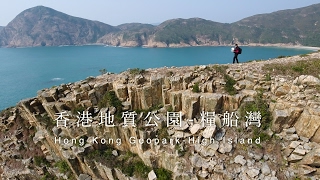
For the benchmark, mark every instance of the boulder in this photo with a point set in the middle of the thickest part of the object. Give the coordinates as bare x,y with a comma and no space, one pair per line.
294,144
294,158
265,169
209,131
307,124
195,128
282,90
39,136
84,177
305,170
197,161
225,148
253,172
307,80
210,150
240,160
312,158
299,151
245,84
152,175
280,118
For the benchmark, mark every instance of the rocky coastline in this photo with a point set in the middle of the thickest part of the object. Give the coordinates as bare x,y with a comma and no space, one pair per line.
286,146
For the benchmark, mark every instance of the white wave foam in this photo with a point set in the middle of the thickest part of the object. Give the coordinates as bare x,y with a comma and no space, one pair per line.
57,79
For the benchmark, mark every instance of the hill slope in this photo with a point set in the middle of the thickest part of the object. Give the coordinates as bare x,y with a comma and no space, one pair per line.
45,26
299,26
131,34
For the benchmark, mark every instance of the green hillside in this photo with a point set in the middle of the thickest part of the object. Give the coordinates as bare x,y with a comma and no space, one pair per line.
40,26
287,26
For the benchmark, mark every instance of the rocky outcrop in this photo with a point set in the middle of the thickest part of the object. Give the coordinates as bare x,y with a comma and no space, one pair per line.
212,141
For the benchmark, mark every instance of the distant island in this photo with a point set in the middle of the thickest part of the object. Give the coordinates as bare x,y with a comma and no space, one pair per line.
43,26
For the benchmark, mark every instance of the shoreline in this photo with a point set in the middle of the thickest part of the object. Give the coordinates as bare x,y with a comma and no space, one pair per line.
279,45
304,47
313,54
285,46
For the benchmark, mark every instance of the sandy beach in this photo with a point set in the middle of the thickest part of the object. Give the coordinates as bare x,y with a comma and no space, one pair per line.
283,46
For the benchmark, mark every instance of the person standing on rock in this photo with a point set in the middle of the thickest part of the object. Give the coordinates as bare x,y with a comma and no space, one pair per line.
236,52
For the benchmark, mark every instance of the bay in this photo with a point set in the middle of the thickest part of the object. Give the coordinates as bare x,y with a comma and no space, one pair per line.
24,71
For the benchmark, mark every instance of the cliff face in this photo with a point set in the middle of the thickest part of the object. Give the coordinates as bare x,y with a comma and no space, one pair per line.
130,34
286,145
42,26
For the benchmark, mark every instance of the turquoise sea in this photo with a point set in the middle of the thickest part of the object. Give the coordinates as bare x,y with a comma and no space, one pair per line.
24,71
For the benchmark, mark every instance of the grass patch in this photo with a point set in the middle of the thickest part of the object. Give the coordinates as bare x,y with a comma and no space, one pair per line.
268,77
258,105
297,69
48,176
40,160
163,133
230,82
47,121
307,67
255,60
222,70
261,105
196,88
102,155
170,108
77,108
129,163
63,166
136,71
281,56
304,55
140,169
6,113
163,174
146,111
110,99
180,149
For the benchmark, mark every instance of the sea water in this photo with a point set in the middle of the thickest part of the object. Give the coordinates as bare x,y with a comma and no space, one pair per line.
24,71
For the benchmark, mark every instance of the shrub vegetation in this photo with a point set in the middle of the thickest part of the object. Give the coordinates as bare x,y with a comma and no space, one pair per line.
306,67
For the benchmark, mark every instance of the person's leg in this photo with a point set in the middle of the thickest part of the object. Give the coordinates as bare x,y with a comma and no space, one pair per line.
236,57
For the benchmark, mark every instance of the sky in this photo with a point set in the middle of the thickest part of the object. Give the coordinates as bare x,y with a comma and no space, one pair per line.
115,12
